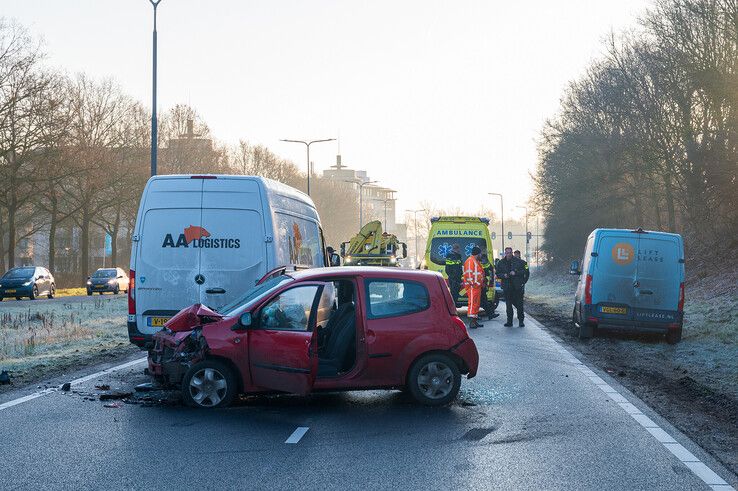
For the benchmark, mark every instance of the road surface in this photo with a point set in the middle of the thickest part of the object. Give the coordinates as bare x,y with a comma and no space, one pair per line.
533,418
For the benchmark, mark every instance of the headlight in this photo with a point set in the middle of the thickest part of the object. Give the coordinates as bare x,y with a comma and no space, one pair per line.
27,283
89,282
111,282
393,260
348,259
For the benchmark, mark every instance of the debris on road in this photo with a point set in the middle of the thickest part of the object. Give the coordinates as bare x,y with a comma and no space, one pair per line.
145,387
112,405
102,387
110,396
4,377
66,386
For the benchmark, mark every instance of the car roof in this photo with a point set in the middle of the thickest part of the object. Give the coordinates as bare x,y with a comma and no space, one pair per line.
363,271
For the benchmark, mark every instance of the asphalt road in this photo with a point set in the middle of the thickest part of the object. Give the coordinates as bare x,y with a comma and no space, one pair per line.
533,418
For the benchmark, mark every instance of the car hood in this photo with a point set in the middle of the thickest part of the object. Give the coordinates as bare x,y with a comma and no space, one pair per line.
189,318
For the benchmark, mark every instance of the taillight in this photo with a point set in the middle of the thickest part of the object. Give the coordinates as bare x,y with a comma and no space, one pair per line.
588,290
680,308
132,293
460,324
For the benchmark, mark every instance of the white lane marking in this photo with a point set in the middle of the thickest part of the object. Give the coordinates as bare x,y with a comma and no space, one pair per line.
699,468
74,382
297,434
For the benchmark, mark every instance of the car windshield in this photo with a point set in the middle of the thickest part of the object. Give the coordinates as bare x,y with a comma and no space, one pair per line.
104,273
20,273
253,295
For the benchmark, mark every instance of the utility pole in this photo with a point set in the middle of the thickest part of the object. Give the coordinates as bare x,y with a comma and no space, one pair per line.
154,129
307,146
502,218
361,199
527,253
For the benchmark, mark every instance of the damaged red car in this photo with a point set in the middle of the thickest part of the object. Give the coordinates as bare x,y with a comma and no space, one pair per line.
322,329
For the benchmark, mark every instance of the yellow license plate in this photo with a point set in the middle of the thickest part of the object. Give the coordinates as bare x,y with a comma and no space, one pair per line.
9,291
157,321
99,287
614,310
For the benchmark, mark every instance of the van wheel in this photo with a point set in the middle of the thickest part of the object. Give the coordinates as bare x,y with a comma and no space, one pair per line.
586,331
673,336
434,380
209,384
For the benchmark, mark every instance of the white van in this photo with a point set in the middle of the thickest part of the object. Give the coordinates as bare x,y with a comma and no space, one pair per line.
208,239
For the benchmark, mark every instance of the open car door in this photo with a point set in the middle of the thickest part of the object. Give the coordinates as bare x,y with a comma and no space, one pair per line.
283,345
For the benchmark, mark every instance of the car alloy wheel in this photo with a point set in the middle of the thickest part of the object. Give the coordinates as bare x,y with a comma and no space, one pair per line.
34,292
434,380
209,384
52,292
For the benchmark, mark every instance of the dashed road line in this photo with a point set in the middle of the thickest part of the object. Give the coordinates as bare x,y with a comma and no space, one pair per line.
698,468
297,435
81,380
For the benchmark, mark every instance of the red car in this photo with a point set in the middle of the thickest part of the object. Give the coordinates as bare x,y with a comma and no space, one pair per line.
321,329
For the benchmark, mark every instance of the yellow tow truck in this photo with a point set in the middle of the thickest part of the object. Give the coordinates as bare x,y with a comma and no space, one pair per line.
372,247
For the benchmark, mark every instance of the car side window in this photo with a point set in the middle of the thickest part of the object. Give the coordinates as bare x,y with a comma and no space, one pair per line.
291,310
392,298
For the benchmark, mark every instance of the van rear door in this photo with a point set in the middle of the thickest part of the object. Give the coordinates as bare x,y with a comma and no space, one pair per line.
233,247
167,262
613,295
658,278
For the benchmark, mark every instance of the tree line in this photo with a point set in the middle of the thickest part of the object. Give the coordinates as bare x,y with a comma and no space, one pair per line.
75,151
648,136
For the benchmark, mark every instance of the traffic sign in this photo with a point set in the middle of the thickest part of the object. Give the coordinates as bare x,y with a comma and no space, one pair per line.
509,235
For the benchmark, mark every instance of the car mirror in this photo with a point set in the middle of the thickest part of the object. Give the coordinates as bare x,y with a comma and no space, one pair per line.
120,277
574,268
244,322
404,251
335,259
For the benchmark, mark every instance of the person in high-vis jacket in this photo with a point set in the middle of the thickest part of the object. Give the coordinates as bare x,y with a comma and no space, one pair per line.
454,270
473,282
489,282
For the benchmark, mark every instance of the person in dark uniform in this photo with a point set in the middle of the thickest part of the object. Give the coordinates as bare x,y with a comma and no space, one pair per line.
454,271
527,271
511,272
489,282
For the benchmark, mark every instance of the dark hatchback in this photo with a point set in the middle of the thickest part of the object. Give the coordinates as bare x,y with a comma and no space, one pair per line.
27,281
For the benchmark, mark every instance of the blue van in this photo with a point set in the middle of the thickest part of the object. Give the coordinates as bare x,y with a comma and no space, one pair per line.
630,280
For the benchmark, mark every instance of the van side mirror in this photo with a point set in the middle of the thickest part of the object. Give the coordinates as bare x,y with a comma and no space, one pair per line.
335,259
574,268
404,251
343,249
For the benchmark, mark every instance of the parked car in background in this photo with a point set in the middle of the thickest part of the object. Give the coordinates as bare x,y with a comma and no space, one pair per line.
27,281
332,329
207,239
630,280
113,280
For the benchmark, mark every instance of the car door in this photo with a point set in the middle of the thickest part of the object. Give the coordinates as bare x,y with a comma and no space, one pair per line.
614,277
282,345
657,278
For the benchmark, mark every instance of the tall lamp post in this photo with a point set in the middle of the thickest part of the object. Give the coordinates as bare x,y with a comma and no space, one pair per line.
361,198
154,129
502,218
307,146
415,225
527,254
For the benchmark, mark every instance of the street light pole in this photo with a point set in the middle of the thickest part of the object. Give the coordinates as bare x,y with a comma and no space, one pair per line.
502,218
154,129
361,198
415,225
307,146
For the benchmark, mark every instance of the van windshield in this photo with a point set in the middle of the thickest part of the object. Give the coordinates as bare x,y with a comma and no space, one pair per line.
253,295
441,246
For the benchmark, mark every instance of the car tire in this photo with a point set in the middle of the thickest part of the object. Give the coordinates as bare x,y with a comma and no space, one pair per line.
116,291
89,293
19,298
52,291
221,388
586,330
673,336
434,380
34,293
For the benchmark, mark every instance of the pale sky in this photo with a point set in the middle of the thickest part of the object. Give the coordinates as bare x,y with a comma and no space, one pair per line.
421,92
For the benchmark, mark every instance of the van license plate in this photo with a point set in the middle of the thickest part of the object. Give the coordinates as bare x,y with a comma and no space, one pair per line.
157,321
614,310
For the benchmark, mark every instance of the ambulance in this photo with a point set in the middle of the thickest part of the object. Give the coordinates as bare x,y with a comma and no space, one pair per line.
468,232
208,239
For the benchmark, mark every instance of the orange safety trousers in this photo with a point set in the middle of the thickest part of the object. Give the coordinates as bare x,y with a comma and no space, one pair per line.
474,294
473,278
